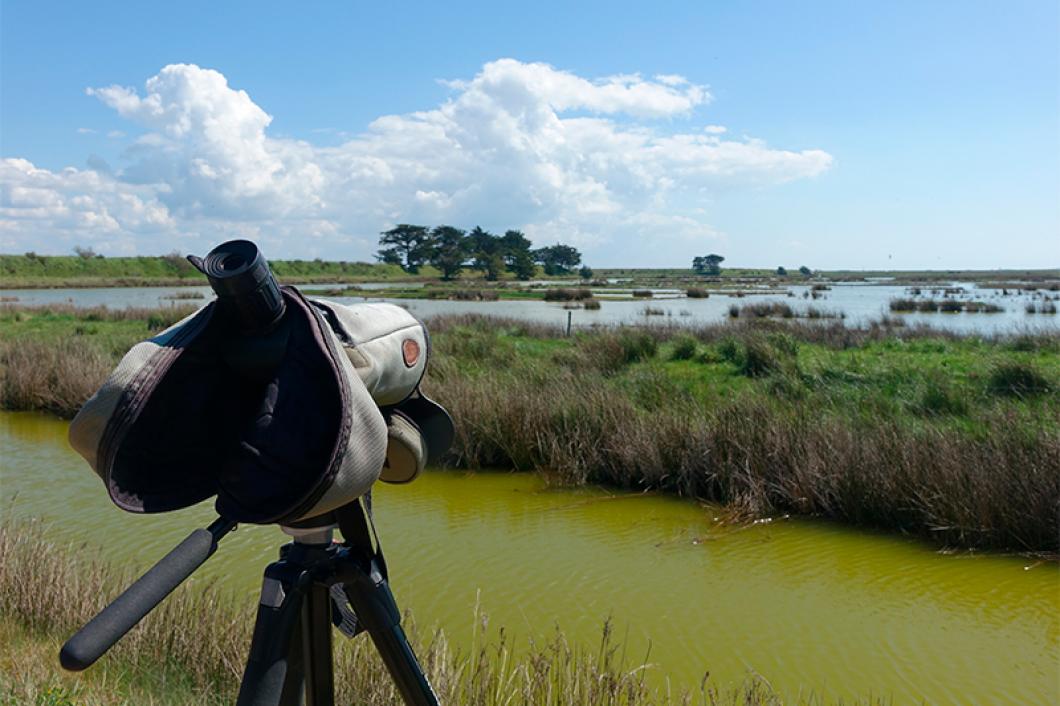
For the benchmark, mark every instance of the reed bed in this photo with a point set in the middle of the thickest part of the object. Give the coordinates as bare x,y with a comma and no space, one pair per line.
154,317
758,414
954,463
946,306
467,295
781,310
998,490
191,650
567,295
178,296
1043,307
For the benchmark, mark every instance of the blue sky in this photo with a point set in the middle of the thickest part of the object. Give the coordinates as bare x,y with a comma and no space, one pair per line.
855,135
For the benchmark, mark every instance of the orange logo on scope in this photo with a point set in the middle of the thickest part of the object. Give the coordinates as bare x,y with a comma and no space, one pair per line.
410,351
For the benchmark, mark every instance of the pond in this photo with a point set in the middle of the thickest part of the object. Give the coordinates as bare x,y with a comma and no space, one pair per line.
808,605
859,302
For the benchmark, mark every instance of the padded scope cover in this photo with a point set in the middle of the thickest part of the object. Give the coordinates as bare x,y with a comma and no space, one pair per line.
281,427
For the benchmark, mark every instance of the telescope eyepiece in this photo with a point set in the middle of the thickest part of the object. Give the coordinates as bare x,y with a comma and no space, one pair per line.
246,289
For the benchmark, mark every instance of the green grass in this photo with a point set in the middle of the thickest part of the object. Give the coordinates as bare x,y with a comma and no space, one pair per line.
31,270
895,373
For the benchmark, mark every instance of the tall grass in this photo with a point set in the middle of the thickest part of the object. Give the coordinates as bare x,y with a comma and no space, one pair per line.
999,489
57,374
990,479
51,376
192,649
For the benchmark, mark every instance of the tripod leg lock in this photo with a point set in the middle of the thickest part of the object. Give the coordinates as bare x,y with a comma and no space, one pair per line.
342,614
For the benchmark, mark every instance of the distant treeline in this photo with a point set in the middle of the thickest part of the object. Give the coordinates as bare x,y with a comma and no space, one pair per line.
450,250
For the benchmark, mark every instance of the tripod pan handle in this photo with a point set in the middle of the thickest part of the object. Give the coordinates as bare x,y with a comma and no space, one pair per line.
128,609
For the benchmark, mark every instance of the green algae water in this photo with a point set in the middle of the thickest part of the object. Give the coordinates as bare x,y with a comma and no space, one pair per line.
809,606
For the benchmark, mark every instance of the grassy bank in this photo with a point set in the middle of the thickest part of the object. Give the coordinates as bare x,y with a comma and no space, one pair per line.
51,271
192,649
955,438
30,270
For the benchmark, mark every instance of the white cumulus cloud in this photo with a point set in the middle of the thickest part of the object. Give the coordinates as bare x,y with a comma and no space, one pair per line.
601,163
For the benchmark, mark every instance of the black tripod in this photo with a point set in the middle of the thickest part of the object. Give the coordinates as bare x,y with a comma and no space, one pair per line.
315,584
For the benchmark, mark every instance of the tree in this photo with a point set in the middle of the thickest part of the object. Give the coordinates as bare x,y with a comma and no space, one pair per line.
708,264
805,271
782,272
449,251
522,264
558,259
390,257
585,272
486,248
409,246
84,253
515,249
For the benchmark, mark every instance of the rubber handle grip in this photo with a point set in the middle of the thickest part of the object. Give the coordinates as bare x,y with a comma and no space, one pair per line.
100,634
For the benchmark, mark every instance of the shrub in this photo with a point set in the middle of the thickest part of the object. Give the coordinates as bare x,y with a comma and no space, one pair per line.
592,304
643,293
609,352
1018,380
759,358
637,345
684,348
754,356
567,295
696,293
903,305
951,306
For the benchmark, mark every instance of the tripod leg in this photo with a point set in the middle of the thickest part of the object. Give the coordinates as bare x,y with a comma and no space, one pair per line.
316,646
376,609
274,672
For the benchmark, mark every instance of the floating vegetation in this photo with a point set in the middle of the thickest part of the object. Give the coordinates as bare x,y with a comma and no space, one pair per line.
643,293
